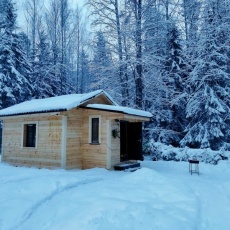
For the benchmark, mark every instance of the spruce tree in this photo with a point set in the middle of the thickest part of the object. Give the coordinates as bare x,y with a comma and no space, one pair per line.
44,80
101,64
175,74
209,82
85,73
14,67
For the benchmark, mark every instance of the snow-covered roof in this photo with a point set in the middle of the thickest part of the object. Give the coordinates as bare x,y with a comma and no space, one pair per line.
67,102
120,109
58,103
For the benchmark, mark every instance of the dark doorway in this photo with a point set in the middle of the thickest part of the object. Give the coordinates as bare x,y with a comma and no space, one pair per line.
124,141
130,141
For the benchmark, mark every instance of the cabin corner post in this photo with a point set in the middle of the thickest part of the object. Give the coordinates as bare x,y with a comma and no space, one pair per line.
108,144
63,142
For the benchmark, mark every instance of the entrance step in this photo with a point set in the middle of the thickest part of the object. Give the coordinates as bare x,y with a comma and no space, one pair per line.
127,166
132,169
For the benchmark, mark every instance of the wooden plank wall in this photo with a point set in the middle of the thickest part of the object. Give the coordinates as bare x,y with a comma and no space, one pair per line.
115,144
73,139
101,99
48,151
80,153
94,155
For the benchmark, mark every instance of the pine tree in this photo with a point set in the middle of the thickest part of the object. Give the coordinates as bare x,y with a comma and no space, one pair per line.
163,70
208,106
154,46
175,74
85,73
101,65
44,80
26,45
14,67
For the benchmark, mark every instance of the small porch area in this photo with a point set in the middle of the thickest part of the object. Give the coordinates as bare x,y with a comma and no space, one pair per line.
130,144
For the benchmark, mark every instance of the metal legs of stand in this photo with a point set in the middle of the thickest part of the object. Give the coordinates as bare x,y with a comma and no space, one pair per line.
193,166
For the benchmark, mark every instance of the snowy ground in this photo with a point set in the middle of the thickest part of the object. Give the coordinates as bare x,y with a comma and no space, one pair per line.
161,195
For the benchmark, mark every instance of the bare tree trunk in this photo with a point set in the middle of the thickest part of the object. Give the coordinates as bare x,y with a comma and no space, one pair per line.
139,78
34,19
62,43
52,21
185,6
78,80
109,11
64,19
32,14
123,82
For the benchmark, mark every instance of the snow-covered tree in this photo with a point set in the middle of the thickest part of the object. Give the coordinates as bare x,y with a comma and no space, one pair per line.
137,6
26,44
164,72
208,105
191,13
15,70
32,16
107,14
175,74
101,64
85,75
44,80
59,34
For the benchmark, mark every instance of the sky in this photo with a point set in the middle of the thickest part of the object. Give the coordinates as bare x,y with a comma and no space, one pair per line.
20,4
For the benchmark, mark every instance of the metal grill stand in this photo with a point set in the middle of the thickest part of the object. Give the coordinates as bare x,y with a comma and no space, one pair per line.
193,166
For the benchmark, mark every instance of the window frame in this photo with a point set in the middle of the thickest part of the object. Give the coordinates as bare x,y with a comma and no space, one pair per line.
24,134
91,127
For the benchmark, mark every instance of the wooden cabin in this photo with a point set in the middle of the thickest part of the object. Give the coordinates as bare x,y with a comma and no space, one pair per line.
76,131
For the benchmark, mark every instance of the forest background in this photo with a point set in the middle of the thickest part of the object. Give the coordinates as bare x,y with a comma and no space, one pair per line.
169,57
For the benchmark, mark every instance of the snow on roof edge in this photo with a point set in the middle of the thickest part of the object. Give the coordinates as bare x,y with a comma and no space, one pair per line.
52,104
67,102
25,113
100,93
121,109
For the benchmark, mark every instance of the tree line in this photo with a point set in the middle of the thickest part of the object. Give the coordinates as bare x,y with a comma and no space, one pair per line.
169,57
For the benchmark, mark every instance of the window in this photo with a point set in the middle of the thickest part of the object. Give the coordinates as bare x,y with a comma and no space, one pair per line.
94,131
29,135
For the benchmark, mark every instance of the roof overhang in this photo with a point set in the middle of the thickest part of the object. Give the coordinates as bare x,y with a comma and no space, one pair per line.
116,109
67,102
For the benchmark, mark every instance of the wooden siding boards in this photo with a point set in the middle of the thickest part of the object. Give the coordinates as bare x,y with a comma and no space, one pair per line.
115,145
73,139
63,139
96,155
101,99
93,155
48,150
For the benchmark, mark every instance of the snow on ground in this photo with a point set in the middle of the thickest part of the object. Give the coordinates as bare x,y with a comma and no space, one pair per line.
161,195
